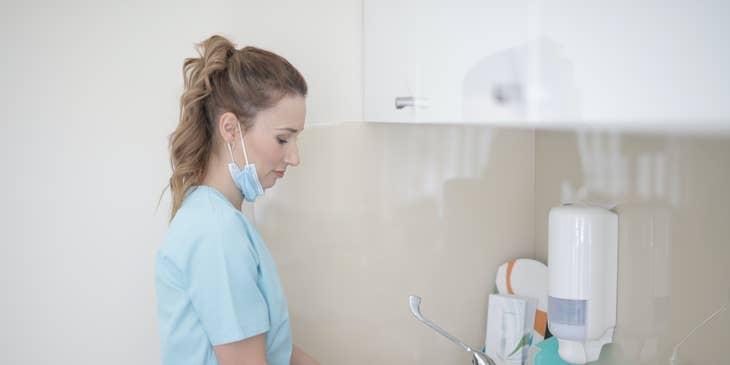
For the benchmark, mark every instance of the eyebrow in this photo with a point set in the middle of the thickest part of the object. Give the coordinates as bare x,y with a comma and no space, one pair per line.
289,129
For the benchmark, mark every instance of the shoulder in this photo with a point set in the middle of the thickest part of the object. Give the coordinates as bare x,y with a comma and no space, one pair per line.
206,221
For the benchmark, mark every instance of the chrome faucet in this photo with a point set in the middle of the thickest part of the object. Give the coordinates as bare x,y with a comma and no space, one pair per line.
478,357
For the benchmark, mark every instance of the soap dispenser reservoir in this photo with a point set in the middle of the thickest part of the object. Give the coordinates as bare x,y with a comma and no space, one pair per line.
582,266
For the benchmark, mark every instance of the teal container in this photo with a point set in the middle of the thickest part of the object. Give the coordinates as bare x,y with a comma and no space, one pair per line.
546,353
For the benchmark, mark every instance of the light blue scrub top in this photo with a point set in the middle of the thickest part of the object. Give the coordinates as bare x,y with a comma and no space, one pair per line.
217,283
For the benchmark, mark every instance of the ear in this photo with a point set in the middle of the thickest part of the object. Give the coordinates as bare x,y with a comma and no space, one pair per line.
227,127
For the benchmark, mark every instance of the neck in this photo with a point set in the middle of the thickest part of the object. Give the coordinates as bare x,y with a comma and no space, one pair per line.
218,177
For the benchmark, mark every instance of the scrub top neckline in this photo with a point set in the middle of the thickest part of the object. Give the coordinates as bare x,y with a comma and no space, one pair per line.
216,192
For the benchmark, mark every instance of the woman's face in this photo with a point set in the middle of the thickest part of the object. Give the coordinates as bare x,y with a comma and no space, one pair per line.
271,143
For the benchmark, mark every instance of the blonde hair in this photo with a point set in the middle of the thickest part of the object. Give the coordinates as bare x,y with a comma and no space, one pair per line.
223,79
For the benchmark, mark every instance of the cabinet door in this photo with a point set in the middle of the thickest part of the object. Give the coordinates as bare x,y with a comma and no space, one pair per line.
444,61
646,64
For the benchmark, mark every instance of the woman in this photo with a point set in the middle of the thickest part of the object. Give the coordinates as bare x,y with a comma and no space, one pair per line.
219,296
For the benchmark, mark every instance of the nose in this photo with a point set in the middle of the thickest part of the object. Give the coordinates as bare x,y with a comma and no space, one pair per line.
292,155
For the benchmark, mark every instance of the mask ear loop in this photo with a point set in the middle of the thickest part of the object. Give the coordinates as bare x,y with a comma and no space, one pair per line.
230,152
243,145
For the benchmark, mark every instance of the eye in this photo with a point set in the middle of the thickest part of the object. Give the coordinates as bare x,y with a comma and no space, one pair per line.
281,140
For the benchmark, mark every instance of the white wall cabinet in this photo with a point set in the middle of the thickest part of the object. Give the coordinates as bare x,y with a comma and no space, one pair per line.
435,56
650,63
647,64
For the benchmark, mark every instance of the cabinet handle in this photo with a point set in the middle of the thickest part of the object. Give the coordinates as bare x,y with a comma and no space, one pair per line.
507,93
410,101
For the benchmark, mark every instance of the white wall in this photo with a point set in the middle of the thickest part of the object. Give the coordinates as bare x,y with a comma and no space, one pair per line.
90,93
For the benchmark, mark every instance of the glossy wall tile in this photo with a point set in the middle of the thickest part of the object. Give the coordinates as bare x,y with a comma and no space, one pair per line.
377,212
673,200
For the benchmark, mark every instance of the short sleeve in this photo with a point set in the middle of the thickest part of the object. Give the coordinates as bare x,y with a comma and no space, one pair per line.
222,284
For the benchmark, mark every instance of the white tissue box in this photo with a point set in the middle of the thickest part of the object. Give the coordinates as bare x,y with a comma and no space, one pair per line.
510,320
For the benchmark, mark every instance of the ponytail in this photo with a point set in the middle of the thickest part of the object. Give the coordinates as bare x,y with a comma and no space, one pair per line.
222,79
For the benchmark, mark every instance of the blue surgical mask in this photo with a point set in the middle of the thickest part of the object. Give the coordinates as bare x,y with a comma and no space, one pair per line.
247,180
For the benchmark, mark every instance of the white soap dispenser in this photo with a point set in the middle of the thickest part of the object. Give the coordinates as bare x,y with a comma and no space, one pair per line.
583,270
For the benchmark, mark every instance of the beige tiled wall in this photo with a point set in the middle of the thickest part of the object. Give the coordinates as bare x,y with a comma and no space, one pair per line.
380,211
673,201
377,212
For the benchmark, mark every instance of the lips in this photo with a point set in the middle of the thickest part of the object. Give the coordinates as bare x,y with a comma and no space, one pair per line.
280,174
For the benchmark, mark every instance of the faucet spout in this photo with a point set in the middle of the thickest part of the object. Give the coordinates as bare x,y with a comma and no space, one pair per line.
478,357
